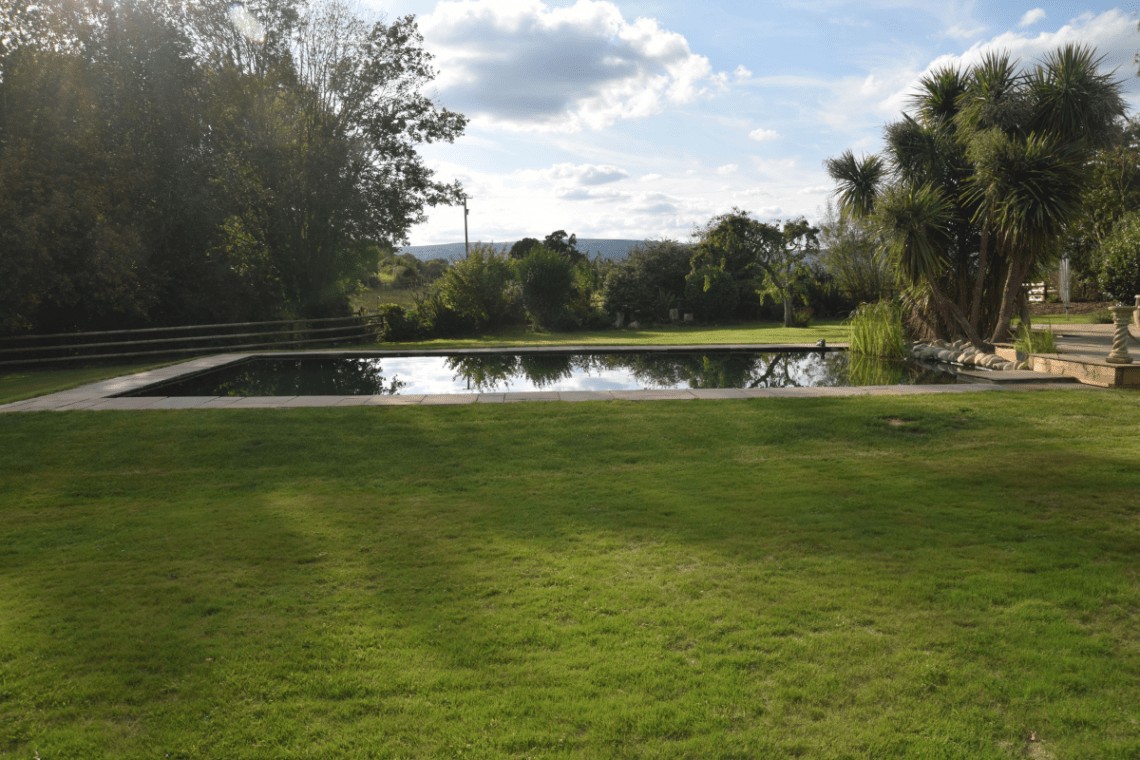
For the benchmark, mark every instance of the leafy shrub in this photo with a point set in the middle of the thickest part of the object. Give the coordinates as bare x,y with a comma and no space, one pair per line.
597,319
861,271
711,293
477,287
547,280
397,325
876,330
405,277
1101,317
650,280
1120,262
802,317
823,292
521,248
437,316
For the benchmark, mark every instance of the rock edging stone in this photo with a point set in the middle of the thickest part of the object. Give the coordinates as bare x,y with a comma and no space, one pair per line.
961,352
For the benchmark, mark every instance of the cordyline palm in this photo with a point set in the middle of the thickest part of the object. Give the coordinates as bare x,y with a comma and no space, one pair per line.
859,182
1031,137
915,220
1007,152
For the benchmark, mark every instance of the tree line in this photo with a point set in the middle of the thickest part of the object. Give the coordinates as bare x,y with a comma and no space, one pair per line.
736,268
172,163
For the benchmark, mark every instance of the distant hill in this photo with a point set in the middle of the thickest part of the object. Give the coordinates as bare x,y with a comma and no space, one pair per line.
609,249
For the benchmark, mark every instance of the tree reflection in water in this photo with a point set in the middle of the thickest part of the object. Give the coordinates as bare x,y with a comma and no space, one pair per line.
485,372
549,371
307,377
490,372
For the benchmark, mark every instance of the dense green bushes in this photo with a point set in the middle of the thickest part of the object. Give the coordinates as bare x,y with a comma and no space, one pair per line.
397,325
650,280
477,287
547,281
711,293
1120,263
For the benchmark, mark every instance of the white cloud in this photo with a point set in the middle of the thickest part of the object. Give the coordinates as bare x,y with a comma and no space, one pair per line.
760,135
1112,33
651,177
742,73
523,65
727,169
960,32
587,174
1032,17
815,189
582,194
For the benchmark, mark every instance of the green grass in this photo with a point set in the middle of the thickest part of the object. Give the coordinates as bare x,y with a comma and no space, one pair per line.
368,298
1059,319
19,384
874,577
760,333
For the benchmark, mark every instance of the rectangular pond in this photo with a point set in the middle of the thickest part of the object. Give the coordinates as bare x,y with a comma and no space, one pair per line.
546,371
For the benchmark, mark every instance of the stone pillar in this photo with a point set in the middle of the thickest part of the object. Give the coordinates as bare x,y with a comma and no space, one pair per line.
1136,314
675,314
1119,355
688,316
620,319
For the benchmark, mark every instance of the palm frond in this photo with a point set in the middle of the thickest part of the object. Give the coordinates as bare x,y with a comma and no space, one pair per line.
995,97
859,181
939,97
914,221
1029,190
1072,100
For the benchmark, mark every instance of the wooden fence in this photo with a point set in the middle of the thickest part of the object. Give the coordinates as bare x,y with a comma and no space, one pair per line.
189,340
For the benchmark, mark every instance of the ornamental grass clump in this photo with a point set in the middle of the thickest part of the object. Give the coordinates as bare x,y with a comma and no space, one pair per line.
1036,341
876,330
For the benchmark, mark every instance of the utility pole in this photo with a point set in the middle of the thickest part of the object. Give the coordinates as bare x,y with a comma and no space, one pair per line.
466,245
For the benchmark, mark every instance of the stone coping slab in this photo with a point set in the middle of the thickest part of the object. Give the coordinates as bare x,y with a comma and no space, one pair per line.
106,394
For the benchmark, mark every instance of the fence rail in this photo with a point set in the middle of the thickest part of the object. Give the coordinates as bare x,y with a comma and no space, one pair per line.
189,339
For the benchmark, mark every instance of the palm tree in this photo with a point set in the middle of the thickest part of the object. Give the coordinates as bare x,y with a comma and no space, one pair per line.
978,184
1031,138
915,221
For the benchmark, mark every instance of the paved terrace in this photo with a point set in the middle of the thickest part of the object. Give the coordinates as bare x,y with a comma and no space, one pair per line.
1083,350
102,395
1094,341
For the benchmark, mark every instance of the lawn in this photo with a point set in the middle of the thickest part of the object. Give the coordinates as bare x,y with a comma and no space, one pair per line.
1059,319
768,333
951,576
17,384
368,298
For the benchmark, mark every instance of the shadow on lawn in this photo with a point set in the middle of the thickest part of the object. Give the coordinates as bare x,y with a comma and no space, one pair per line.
329,561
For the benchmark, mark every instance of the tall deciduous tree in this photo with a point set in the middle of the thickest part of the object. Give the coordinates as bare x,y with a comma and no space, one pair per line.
167,161
783,260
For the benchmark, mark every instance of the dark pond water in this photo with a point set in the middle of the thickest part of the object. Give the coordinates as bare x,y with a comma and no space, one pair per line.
544,372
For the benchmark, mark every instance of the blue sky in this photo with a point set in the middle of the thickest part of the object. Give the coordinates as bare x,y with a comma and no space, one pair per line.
643,119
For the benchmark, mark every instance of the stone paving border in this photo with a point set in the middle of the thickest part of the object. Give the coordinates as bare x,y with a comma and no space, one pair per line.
105,395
